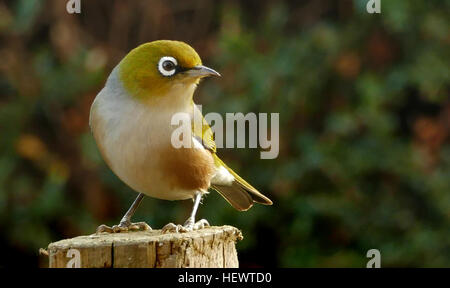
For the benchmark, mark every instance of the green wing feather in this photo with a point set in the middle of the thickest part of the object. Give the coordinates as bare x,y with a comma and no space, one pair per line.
204,134
240,194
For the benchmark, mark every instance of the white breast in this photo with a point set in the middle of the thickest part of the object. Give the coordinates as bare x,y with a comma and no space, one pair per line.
130,134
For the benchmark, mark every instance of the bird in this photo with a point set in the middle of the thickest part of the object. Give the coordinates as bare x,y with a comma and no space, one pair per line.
130,119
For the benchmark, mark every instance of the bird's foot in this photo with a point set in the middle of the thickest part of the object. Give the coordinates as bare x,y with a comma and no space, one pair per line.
188,226
124,226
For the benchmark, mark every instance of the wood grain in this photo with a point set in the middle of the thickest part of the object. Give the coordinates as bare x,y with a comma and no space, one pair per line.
208,247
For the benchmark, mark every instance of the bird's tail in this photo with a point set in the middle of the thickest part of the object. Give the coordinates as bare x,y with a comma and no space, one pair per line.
239,193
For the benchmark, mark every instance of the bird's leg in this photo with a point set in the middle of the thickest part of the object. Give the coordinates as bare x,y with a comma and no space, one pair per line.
190,223
125,224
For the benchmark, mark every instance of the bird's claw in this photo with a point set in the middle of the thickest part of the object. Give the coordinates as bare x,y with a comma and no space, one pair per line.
188,226
124,227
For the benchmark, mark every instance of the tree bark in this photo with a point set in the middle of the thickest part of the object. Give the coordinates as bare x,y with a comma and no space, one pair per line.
208,247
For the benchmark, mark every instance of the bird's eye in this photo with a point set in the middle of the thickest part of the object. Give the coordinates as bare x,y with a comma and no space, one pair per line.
167,66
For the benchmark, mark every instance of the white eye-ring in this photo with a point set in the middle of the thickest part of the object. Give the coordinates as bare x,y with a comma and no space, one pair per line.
167,66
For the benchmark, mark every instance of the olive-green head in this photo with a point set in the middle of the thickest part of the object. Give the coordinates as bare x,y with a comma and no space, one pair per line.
153,69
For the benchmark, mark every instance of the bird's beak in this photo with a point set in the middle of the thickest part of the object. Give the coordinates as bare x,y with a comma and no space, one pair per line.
201,71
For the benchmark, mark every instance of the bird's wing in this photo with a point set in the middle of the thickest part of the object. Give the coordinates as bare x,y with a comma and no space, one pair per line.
238,192
204,134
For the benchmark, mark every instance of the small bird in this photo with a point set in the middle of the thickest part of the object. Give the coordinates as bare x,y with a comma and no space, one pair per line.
130,119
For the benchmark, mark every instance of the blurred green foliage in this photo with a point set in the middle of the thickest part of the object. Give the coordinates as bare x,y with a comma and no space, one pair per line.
364,124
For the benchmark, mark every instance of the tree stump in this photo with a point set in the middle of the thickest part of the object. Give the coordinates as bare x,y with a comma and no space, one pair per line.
208,247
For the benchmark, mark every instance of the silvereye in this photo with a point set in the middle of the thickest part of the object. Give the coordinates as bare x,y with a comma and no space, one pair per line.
130,119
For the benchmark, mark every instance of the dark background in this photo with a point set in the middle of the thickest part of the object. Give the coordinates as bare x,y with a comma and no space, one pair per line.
364,124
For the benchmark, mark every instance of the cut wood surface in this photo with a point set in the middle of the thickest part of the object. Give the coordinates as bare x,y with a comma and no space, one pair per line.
208,247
